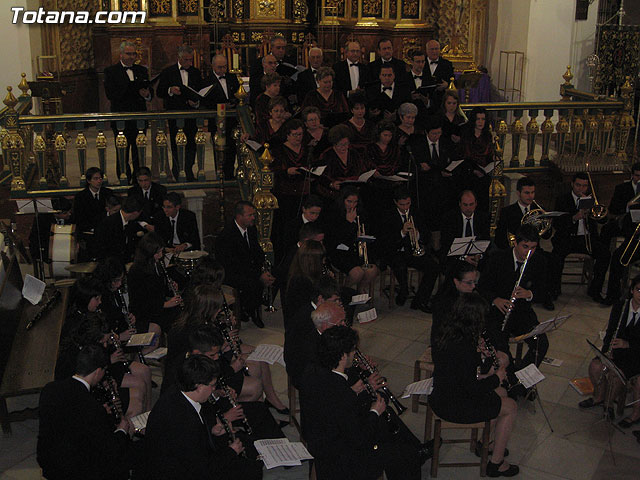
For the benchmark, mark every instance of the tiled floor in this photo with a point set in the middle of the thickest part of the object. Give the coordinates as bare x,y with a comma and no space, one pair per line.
577,449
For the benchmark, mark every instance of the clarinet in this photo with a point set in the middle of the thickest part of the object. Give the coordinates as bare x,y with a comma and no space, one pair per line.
393,425
45,307
132,326
367,369
513,293
113,338
169,281
228,428
491,350
224,326
222,383
107,394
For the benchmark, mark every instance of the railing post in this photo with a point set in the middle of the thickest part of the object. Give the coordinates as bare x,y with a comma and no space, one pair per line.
141,142
532,132
81,148
607,133
163,158
61,149
121,152
517,129
496,189
568,76
265,201
591,129
562,129
39,147
625,123
547,130
502,128
5,162
201,139
181,143
13,144
576,132
101,146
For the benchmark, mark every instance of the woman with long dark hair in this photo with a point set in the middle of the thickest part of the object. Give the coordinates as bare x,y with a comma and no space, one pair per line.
461,394
476,146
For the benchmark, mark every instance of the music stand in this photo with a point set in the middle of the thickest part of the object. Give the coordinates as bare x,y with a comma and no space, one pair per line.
468,80
540,329
465,246
26,207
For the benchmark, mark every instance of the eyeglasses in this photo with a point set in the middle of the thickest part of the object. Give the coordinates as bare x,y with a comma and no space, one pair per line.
469,282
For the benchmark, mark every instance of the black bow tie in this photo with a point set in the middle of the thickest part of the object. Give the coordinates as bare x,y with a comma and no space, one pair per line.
223,77
384,89
434,62
353,65
128,68
182,68
417,76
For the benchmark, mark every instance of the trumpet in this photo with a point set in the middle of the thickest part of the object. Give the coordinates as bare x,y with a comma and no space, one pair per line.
416,249
267,296
625,258
362,245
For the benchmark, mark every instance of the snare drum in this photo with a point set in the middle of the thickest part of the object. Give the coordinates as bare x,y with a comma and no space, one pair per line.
63,249
190,260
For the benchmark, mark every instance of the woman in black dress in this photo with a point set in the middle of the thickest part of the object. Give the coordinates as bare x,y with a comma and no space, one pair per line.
463,395
270,130
271,84
452,120
362,129
316,136
407,113
477,149
331,103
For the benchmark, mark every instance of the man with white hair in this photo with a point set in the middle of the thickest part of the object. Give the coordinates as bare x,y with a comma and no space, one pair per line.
307,81
351,73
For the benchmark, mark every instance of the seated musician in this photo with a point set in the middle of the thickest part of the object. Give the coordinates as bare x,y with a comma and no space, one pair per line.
622,345
577,231
407,113
509,221
118,235
76,439
238,250
512,300
432,185
362,129
176,225
270,130
307,80
624,197
476,147
149,193
386,95
41,229
271,89
452,119
462,395
113,205
153,296
181,444
331,103
402,226
623,256
342,244
351,435
417,82
88,212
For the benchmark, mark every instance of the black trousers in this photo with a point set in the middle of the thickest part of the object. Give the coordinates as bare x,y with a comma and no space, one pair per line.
617,271
190,130
425,264
576,244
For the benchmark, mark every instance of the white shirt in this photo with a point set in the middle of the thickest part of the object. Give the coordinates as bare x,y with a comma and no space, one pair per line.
523,208
433,66
417,81
223,83
581,227
129,71
184,75
431,144
354,74
196,406
82,381
388,92
304,220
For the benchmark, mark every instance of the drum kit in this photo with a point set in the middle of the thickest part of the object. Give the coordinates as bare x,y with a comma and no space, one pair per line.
189,261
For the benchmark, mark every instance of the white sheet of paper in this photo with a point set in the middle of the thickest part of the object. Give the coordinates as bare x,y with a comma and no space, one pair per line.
33,289
26,206
315,171
342,247
157,354
360,299
422,387
140,421
394,178
553,214
530,375
362,178
277,452
141,339
367,316
635,215
488,169
554,362
453,165
255,146
267,353
301,451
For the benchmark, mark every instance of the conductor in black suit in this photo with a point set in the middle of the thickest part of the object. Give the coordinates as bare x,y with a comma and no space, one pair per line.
127,88
397,247
498,283
177,226
386,58
118,234
351,74
171,88
238,250
149,193
571,232
439,72
180,443
76,439
386,95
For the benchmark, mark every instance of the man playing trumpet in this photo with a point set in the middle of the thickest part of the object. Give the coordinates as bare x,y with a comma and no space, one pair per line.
402,240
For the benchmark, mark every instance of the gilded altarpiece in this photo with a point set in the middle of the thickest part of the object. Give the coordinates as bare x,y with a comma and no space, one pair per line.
619,57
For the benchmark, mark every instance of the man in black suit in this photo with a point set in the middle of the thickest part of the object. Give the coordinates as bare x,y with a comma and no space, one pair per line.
419,97
620,204
386,58
238,250
439,72
268,64
282,67
351,74
386,95
41,228
497,283
126,85
180,443
306,80
224,88
509,221
149,193
88,211
172,89
118,234
397,248
76,439
464,221
571,232
177,226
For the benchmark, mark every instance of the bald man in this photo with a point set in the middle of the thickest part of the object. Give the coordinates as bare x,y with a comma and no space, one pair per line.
438,71
306,81
351,73
268,65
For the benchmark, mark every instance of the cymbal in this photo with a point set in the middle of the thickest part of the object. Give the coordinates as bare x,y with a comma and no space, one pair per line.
87,267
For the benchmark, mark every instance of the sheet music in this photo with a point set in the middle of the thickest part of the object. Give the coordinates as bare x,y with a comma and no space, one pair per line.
342,247
544,327
255,146
422,387
301,451
33,289
141,339
394,178
157,354
268,353
277,452
453,165
554,362
44,206
360,299
139,422
489,168
202,92
366,238
553,214
315,171
635,215
367,316
530,375
362,178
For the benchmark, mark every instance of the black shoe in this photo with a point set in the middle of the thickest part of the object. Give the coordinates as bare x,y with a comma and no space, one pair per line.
255,318
425,452
609,301
517,392
282,411
492,470
589,403
627,422
531,396
422,306
548,305
401,298
637,435
479,450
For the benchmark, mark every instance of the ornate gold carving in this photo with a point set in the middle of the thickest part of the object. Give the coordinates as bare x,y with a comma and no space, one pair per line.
267,8
121,140
299,10
160,7
393,9
410,8
101,140
334,8
408,44
81,141
354,8
141,139
60,143
238,9
129,5
187,7
370,8
23,85
39,144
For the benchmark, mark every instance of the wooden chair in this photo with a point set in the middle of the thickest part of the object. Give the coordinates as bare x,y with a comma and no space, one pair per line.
293,407
585,275
440,424
424,363
411,274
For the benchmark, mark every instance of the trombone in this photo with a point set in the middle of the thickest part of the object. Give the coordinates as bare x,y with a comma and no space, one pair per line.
625,259
598,211
416,249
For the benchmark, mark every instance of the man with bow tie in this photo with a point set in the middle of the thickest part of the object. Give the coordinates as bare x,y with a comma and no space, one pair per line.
307,81
386,95
439,72
385,51
126,85
418,96
351,73
172,89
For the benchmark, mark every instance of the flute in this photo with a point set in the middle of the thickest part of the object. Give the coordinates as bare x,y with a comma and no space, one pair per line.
513,292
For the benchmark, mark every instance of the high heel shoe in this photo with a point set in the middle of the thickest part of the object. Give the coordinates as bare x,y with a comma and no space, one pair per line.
281,411
493,470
